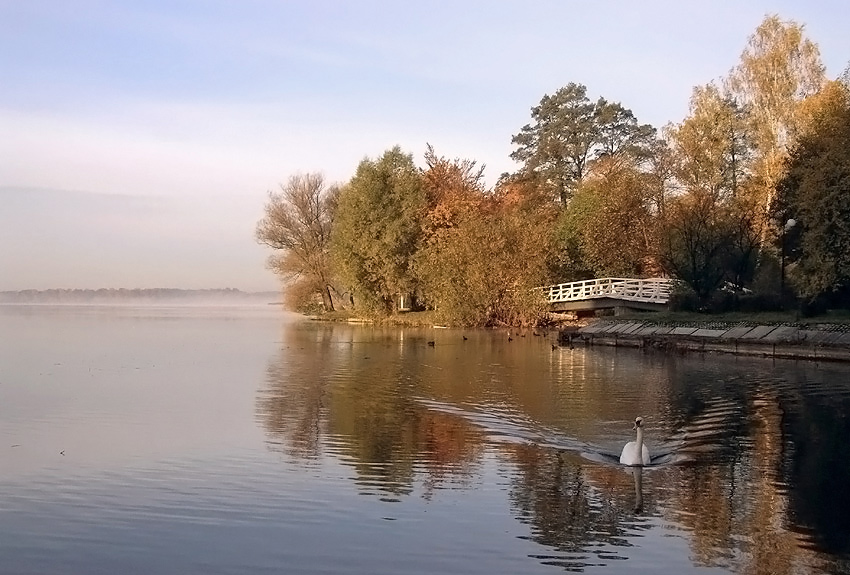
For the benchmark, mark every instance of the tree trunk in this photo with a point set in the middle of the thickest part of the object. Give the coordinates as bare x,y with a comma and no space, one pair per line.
326,298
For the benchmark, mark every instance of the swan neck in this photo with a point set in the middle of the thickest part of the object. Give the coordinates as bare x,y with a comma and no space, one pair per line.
639,439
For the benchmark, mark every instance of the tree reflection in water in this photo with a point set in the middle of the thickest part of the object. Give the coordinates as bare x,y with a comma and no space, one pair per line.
575,508
762,463
362,410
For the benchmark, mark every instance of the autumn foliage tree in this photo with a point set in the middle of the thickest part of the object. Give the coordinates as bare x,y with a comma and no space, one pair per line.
297,225
612,221
711,233
729,154
711,145
779,68
597,194
815,193
378,231
482,252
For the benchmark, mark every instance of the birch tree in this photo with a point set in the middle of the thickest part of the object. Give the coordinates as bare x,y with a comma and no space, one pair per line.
712,145
779,68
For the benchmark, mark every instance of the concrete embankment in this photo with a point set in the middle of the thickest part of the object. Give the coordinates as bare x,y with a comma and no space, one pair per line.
821,342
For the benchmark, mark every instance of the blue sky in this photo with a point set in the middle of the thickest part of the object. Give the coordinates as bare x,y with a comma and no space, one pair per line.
214,103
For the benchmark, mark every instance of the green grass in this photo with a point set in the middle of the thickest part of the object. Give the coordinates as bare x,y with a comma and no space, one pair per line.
763,318
429,318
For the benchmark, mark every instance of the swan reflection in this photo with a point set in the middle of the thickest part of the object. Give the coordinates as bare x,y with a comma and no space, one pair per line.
637,472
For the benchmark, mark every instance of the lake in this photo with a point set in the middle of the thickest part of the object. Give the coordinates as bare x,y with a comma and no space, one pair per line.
246,440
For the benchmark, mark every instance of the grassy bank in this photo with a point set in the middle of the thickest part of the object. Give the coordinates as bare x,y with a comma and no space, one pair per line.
410,319
667,318
839,317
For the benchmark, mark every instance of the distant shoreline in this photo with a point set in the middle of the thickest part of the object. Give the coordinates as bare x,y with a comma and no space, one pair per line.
134,295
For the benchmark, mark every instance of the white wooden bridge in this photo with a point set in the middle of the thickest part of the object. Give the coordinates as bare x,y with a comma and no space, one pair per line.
600,293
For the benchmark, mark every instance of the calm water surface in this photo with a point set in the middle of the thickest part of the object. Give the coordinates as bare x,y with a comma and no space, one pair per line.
244,440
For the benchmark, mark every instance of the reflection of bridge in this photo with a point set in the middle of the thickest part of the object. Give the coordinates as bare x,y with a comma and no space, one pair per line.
617,293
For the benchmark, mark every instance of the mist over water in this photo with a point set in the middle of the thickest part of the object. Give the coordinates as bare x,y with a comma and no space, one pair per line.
235,439
71,239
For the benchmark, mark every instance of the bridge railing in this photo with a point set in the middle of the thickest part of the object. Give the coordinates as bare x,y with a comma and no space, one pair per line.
652,290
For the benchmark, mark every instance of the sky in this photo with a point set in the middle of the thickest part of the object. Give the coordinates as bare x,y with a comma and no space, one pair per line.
139,139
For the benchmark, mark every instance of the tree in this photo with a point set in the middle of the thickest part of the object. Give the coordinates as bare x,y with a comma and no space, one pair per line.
558,145
620,135
378,230
779,68
711,145
694,244
482,270
298,222
745,223
705,242
714,233
570,132
611,218
454,191
482,253
660,175
815,193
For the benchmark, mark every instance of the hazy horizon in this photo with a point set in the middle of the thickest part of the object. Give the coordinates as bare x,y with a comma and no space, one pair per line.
63,239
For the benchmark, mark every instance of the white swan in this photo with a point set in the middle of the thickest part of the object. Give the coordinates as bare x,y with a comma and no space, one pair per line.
635,452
